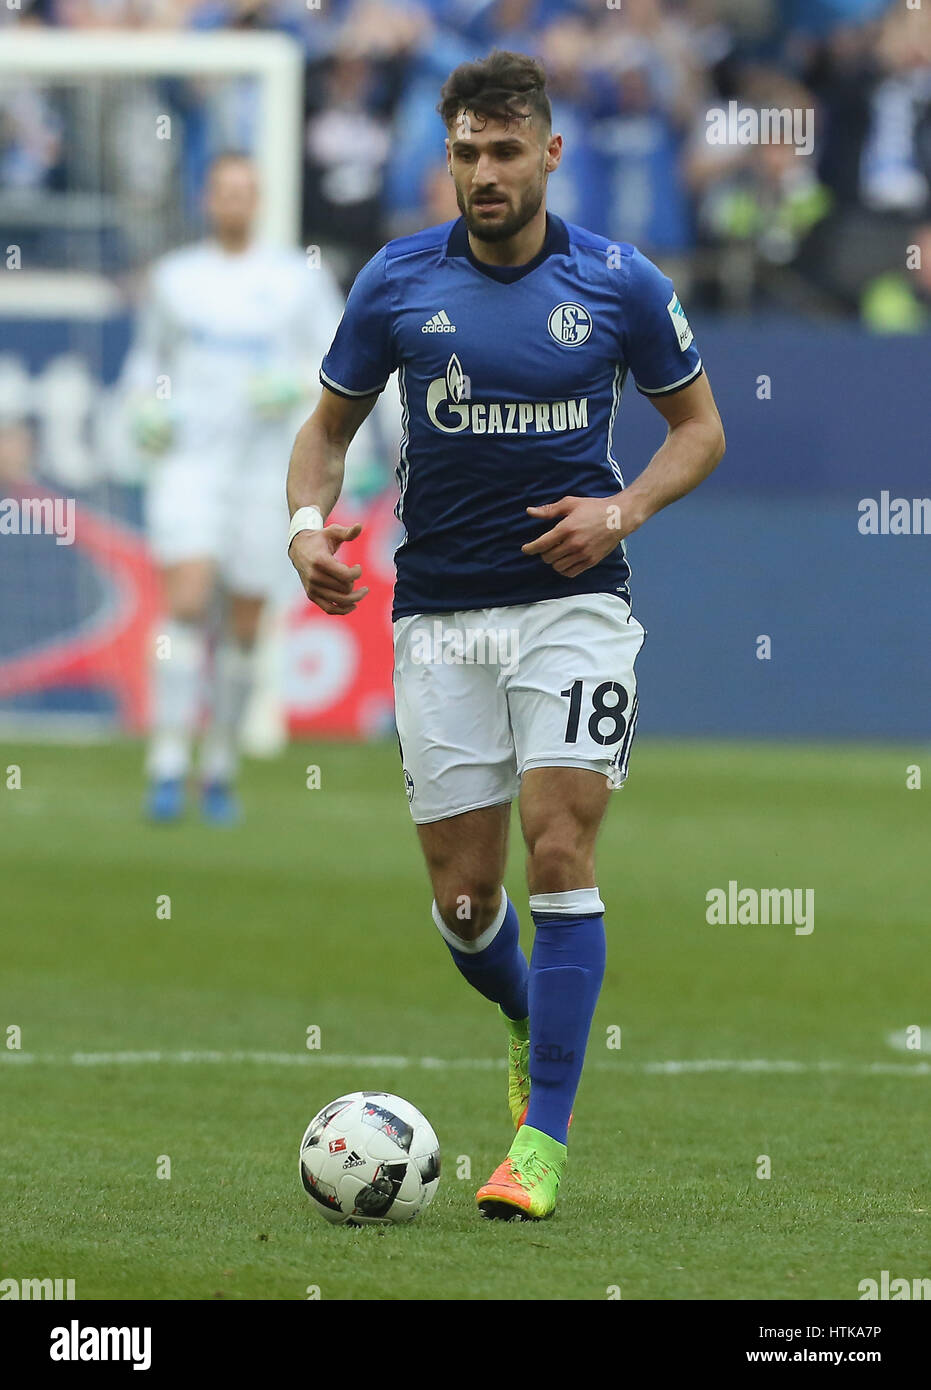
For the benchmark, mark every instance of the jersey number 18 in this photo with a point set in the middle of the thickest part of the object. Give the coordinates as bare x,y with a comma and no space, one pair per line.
606,723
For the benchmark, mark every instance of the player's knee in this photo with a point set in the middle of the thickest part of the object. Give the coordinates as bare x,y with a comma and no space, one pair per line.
245,643
188,588
468,908
245,619
189,606
559,860
246,640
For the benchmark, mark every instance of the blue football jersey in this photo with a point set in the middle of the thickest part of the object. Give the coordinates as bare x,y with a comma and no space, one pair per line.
510,380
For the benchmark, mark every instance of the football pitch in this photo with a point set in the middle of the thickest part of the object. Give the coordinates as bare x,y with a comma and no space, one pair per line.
166,984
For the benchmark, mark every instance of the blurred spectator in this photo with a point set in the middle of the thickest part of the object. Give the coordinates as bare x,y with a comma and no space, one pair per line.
899,301
127,14
430,54
510,24
896,164
822,16
351,99
347,142
842,73
282,15
224,116
565,48
757,202
643,85
439,197
30,137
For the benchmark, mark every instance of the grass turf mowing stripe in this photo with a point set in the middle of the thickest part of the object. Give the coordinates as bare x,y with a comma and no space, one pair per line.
669,1067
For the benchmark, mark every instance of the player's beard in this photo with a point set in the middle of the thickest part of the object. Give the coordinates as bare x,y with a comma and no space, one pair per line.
508,225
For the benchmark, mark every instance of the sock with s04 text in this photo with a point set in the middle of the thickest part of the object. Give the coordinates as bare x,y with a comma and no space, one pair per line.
566,971
493,963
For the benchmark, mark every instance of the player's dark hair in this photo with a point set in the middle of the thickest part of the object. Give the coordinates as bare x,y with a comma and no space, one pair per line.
504,87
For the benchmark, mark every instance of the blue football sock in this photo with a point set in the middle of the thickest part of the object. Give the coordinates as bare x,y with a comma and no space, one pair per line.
566,970
494,964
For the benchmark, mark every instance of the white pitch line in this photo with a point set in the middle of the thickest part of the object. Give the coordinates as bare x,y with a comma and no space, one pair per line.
388,1062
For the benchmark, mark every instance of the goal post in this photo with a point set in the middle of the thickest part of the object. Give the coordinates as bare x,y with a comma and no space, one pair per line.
274,61
73,632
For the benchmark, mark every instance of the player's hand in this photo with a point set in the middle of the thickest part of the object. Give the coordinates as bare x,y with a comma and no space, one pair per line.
586,530
327,581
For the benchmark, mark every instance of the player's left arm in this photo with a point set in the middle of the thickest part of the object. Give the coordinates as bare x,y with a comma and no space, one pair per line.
588,528
693,448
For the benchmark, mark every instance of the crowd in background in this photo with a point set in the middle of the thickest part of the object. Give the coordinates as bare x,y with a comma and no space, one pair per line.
842,231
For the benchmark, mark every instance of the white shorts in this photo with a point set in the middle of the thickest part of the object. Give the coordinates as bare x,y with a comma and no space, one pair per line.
484,694
203,505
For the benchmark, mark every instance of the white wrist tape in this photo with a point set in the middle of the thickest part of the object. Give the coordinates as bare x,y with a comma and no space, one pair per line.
305,519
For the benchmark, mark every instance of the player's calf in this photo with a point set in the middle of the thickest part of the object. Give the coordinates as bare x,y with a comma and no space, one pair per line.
492,962
561,811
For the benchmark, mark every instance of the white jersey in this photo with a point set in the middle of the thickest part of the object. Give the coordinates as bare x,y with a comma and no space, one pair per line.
215,322
213,326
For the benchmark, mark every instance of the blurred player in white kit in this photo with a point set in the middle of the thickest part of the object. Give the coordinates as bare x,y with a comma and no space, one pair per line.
228,345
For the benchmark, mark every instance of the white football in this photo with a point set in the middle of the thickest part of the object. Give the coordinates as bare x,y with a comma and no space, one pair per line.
369,1158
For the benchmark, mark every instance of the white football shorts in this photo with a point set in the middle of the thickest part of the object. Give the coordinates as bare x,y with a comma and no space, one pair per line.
211,504
484,694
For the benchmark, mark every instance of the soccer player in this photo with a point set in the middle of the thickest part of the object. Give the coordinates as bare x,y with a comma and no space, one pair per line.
228,346
512,333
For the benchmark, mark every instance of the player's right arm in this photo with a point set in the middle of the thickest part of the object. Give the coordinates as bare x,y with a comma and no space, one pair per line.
353,373
151,420
315,479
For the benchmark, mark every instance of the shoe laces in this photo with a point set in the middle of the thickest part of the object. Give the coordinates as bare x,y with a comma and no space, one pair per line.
530,1165
520,1055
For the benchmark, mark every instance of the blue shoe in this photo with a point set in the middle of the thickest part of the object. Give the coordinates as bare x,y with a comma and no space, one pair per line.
165,800
219,804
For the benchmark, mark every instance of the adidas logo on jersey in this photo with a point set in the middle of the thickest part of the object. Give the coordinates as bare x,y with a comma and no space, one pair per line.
440,323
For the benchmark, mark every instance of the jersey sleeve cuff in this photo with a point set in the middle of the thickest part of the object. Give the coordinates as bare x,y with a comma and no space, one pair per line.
345,391
673,385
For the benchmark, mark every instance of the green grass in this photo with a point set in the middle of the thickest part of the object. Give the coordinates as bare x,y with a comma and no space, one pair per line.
316,912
